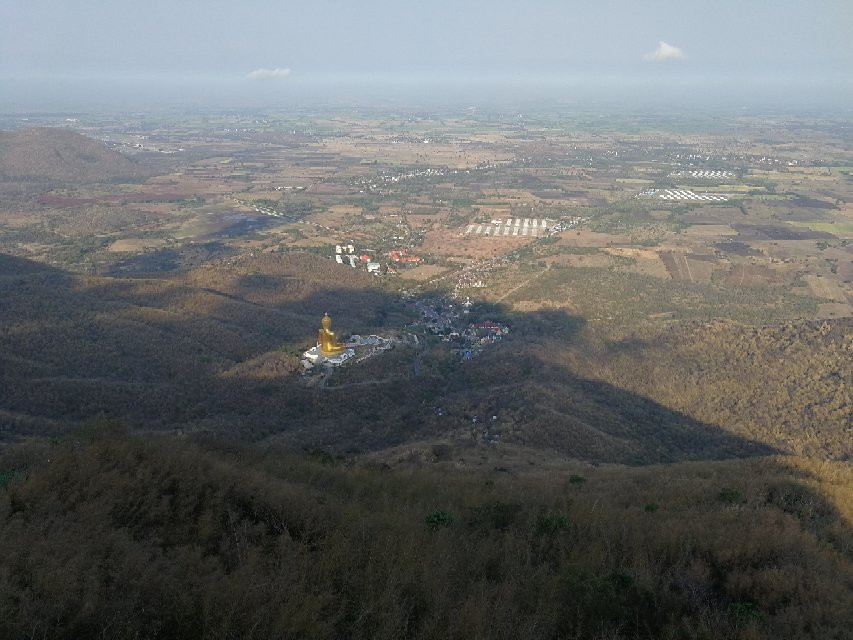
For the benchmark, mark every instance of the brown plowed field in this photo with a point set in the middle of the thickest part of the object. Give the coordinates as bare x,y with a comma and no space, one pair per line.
453,242
65,201
745,275
677,266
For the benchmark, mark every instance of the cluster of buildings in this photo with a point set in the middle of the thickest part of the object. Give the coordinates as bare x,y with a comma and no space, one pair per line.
345,254
478,335
403,255
468,280
471,277
438,316
369,346
374,184
571,223
441,317
692,159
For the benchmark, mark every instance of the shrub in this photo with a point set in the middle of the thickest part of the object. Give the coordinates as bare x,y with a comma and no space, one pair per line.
551,523
741,613
730,496
439,519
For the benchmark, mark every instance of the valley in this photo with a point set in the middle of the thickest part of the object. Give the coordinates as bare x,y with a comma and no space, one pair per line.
228,256
606,344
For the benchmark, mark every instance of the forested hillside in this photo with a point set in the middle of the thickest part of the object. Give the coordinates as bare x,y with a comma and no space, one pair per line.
217,349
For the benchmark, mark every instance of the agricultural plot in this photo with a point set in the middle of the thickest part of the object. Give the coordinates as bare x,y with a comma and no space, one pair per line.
624,297
748,275
423,273
678,266
452,245
827,289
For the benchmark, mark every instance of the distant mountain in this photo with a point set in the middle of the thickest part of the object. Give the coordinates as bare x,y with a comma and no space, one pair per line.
61,155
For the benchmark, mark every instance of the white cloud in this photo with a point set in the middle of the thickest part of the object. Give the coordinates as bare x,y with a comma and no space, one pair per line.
264,74
664,53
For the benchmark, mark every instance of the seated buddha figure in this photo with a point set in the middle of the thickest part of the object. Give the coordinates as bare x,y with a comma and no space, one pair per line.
329,345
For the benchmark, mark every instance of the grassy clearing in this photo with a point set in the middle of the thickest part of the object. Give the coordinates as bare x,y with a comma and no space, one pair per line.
625,297
842,229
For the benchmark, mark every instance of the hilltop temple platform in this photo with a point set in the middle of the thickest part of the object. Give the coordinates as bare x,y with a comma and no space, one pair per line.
314,356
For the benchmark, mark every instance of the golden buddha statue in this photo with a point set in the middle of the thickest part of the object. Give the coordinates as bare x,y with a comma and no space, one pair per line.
329,345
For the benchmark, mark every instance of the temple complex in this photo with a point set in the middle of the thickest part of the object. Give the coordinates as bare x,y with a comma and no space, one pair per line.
328,348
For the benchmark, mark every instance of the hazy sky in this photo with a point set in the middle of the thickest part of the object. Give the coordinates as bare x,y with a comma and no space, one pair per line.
266,46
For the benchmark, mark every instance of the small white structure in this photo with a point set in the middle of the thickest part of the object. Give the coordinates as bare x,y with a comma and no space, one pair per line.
373,267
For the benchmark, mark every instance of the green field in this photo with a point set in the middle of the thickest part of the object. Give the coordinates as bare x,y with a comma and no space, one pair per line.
835,228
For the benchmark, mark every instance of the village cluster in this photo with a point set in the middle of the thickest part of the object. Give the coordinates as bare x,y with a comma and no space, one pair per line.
443,318
375,183
571,223
266,210
696,158
346,254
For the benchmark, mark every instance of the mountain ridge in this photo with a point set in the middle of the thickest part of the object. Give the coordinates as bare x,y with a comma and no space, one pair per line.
61,155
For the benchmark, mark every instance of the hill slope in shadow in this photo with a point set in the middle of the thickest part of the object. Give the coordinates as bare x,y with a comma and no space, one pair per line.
217,349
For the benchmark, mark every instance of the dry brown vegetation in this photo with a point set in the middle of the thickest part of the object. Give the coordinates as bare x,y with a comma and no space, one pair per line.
783,385
107,534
